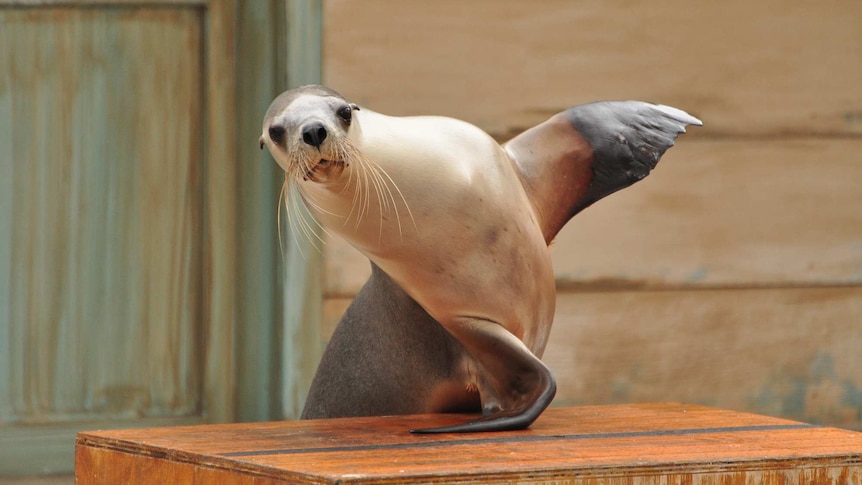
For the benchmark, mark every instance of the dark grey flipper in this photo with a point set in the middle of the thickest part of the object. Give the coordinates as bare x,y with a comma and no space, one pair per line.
628,139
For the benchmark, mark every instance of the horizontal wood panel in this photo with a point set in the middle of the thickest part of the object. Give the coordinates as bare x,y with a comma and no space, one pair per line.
784,352
102,204
783,212
768,67
714,213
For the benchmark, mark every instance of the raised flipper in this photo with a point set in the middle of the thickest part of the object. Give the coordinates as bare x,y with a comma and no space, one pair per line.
588,152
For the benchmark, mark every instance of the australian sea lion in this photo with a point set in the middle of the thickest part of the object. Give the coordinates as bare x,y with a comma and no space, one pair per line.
457,228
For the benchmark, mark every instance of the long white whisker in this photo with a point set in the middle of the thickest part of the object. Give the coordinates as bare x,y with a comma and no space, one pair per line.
357,192
400,194
382,202
306,227
308,200
365,201
282,203
292,223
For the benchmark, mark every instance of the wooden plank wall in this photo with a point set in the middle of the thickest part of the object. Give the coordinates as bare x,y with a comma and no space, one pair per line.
732,276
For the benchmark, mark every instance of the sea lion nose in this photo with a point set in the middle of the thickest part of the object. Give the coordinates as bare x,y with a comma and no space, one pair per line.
314,134
276,134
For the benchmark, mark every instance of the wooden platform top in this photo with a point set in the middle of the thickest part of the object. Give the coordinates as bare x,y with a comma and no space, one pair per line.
595,441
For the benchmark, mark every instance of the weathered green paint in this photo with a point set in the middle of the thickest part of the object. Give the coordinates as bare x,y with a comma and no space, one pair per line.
105,212
260,44
102,210
818,394
303,289
139,265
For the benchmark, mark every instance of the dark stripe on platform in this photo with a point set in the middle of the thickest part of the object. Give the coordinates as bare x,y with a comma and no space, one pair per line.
522,439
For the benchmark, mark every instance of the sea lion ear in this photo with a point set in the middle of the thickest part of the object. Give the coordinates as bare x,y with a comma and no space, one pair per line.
261,141
354,107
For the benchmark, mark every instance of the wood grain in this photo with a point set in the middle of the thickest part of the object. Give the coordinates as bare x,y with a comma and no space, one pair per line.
742,67
783,352
714,213
648,443
726,213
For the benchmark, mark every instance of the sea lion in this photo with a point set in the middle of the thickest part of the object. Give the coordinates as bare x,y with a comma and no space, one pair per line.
457,228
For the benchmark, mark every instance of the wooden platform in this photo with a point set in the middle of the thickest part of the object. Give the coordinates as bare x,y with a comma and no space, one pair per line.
631,444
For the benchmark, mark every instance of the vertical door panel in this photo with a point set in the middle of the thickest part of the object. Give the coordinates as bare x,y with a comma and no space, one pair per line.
102,213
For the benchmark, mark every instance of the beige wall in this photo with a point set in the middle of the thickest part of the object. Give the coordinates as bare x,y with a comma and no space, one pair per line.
732,276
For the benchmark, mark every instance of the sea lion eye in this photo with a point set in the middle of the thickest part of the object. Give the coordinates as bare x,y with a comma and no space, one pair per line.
345,113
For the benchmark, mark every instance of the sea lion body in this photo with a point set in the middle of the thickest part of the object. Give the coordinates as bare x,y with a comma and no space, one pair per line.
460,237
469,245
457,229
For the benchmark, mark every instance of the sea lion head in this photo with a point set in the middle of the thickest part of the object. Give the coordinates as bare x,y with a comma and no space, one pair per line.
307,131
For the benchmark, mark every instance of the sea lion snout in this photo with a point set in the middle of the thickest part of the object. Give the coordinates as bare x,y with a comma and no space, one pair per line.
313,134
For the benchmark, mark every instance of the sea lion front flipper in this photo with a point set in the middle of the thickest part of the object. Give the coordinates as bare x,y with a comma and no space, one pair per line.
518,382
588,152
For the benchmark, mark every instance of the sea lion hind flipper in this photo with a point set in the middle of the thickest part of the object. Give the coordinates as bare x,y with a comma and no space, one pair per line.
522,385
590,151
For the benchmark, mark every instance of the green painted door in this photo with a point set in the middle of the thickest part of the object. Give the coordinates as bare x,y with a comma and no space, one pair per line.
140,278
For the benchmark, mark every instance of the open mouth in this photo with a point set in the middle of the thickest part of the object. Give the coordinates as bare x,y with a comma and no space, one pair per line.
323,167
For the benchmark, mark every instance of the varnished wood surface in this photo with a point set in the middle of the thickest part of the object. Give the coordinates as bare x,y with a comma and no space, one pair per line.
638,442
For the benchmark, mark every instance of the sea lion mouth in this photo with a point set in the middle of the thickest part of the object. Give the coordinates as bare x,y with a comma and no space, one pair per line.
323,169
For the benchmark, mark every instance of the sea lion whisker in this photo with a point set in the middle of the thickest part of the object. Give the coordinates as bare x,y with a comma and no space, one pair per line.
284,198
357,191
384,202
307,200
296,220
282,202
366,199
403,199
307,229
356,202
296,217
